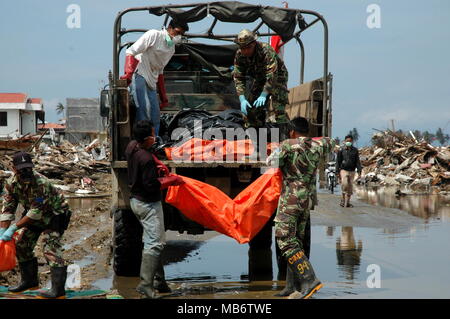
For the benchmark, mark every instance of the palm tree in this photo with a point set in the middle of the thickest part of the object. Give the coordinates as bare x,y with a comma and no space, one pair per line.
60,108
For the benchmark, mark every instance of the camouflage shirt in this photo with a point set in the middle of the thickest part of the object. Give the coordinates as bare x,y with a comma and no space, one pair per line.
299,158
265,67
40,199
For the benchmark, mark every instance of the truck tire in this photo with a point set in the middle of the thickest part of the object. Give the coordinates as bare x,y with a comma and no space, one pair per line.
127,244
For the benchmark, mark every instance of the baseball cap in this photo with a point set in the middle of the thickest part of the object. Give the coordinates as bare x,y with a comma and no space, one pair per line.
22,160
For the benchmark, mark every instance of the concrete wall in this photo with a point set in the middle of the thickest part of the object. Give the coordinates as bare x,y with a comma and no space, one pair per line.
28,122
13,123
83,116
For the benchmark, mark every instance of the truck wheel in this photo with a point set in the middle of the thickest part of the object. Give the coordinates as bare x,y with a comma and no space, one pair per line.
127,244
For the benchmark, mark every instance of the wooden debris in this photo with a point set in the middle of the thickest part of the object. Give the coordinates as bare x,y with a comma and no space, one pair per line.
398,159
67,165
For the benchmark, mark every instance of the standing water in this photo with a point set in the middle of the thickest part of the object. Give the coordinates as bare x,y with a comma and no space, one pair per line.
379,260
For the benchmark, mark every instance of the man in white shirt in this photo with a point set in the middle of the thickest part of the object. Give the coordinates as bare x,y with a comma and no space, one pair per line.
144,66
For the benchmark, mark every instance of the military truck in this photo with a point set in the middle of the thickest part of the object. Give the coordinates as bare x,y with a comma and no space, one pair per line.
199,76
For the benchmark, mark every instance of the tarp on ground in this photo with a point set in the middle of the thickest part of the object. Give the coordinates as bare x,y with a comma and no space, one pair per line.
240,218
70,294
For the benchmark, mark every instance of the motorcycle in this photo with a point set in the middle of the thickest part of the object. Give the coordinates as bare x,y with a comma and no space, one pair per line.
330,173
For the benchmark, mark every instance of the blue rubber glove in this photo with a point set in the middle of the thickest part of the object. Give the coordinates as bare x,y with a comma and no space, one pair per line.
2,230
7,235
244,104
261,100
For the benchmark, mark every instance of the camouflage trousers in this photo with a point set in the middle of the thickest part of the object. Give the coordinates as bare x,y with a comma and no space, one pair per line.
258,116
52,246
279,101
292,219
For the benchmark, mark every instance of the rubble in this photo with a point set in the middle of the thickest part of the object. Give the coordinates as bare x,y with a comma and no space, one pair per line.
9,146
396,159
75,169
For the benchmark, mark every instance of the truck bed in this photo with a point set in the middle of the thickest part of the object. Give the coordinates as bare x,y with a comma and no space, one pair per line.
253,164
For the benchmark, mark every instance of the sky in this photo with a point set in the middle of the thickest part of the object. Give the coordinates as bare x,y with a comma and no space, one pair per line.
398,71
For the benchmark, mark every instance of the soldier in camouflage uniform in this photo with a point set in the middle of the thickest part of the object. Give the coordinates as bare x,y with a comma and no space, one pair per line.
46,213
298,159
270,76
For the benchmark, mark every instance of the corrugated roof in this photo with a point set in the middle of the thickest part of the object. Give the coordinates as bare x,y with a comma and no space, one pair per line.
34,101
13,97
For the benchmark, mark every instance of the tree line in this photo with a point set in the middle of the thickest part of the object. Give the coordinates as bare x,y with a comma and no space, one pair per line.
427,136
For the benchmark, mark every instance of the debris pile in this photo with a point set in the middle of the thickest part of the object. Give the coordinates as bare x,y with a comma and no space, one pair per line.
73,168
21,143
396,159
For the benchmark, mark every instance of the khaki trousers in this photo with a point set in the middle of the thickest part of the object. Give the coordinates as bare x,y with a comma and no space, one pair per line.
347,178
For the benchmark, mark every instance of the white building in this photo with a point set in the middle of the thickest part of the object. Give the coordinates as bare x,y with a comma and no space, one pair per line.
19,114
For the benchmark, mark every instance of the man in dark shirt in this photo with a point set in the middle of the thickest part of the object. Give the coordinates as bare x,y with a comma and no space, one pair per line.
147,176
347,162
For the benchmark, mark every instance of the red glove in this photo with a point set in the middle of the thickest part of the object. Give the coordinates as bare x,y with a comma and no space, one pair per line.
162,92
131,64
162,169
172,180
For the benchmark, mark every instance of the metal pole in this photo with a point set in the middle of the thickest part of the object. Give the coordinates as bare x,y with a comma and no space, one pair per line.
302,60
325,68
325,58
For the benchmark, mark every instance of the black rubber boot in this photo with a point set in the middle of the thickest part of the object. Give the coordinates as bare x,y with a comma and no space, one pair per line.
291,284
304,273
28,277
149,265
58,291
160,283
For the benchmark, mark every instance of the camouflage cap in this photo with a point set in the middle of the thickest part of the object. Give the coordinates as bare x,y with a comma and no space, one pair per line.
245,37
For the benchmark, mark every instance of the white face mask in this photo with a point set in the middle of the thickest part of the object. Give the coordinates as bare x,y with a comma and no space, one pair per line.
176,39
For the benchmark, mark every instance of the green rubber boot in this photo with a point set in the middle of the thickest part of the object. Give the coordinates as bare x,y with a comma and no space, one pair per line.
149,266
160,283
58,278
28,277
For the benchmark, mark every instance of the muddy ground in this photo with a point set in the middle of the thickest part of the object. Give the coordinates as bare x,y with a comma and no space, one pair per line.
195,272
87,242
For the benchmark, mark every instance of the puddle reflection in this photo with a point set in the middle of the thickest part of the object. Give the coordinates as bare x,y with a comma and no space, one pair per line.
426,206
220,268
348,253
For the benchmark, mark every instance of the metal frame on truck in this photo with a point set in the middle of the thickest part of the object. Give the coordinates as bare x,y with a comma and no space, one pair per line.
115,105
